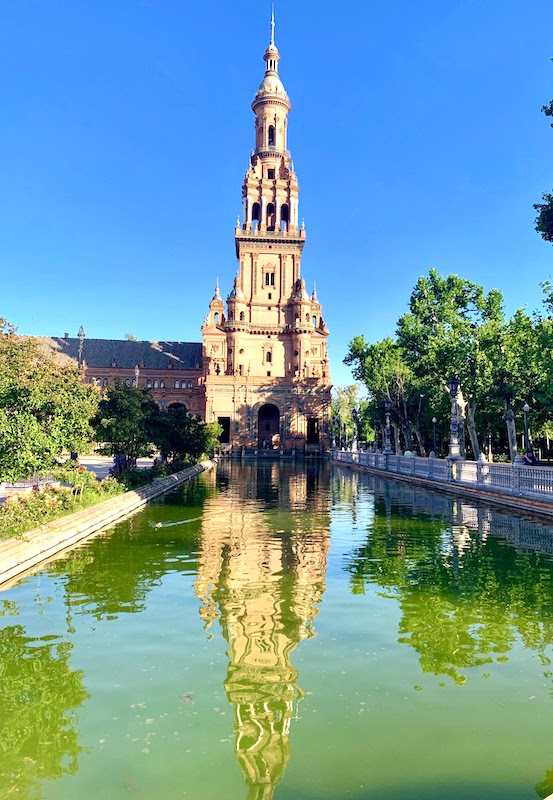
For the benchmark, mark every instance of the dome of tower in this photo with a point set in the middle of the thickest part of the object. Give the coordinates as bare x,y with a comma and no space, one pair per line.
271,84
236,293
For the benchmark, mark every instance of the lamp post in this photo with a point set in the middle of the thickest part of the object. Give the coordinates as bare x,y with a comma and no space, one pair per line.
526,409
335,424
375,444
454,448
434,421
81,337
387,440
136,375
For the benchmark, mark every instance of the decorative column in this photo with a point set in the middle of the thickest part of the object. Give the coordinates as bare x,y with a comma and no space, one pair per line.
454,448
387,439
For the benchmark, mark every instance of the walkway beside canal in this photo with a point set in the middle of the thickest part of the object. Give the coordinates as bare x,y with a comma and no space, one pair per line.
523,487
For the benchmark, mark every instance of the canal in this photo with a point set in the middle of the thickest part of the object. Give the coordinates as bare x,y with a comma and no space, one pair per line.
291,632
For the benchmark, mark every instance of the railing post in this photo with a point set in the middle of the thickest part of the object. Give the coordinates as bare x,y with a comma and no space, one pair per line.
515,476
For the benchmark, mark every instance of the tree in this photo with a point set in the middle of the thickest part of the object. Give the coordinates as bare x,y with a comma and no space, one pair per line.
544,217
127,422
383,368
45,408
453,327
180,435
352,411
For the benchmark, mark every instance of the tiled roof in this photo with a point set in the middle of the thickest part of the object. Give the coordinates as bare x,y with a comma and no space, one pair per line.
101,353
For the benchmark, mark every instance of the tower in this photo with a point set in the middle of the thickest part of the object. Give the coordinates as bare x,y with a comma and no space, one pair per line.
265,363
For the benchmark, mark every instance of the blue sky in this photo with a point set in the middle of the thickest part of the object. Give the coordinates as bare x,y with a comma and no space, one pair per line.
415,130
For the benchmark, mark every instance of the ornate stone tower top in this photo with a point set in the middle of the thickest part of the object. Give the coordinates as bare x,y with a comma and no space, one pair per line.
270,191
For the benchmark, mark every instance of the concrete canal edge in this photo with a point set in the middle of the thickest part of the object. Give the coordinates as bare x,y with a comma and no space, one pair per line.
490,497
22,553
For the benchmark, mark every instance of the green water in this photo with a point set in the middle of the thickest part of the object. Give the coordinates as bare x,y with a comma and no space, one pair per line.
274,631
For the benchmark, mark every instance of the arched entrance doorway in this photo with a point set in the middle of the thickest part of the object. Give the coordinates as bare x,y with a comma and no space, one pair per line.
268,427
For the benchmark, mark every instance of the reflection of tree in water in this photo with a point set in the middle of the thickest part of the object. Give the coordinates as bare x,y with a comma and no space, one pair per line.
113,576
39,693
464,598
262,575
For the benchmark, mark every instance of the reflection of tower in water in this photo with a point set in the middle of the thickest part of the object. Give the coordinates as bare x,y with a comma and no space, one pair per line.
262,575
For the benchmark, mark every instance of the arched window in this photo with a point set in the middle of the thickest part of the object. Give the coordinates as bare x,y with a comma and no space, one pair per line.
256,215
269,357
127,382
162,384
92,380
272,141
242,316
148,384
314,321
177,384
271,217
189,384
284,217
307,317
156,384
105,381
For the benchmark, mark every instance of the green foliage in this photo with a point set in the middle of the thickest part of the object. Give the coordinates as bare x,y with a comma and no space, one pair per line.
352,411
544,218
127,422
130,423
454,327
39,694
79,489
180,436
45,408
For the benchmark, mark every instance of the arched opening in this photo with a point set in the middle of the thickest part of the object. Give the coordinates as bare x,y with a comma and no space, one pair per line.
256,216
284,217
271,217
216,318
175,405
312,431
177,384
269,357
272,141
314,321
224,436
268,427
242,316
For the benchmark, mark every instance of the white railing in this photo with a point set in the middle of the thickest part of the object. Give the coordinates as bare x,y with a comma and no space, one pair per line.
517,479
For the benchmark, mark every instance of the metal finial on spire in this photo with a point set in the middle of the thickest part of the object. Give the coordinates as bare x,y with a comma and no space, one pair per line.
272,23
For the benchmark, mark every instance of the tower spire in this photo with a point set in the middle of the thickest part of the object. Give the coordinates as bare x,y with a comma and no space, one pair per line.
272,24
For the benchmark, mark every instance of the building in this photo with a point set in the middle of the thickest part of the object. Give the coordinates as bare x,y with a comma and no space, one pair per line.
262,368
